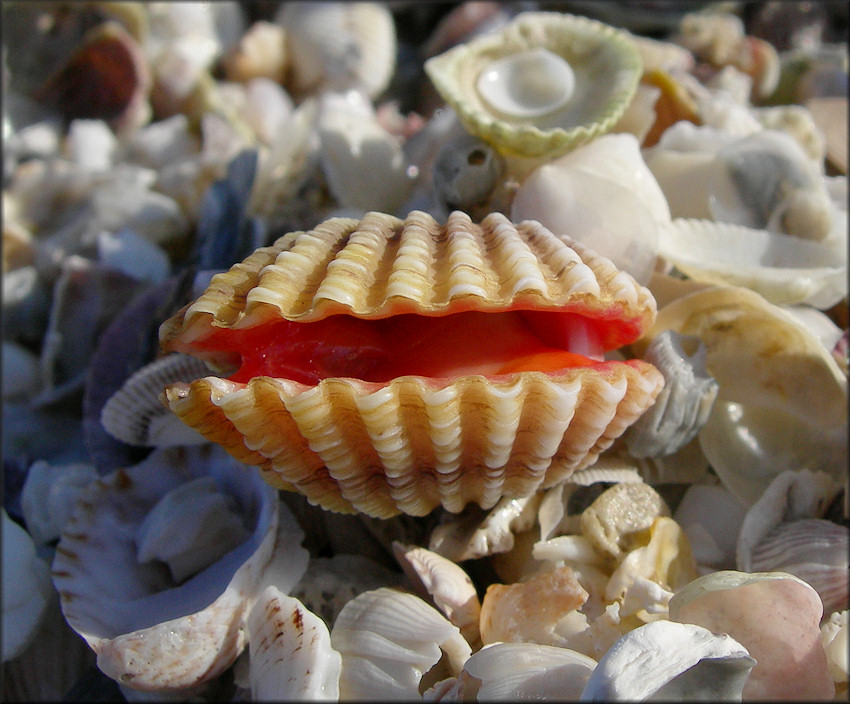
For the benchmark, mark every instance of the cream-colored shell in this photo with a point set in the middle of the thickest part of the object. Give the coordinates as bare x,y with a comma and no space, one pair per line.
416,443
604,60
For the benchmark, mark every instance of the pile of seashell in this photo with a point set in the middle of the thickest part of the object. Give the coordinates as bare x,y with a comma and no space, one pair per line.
425,351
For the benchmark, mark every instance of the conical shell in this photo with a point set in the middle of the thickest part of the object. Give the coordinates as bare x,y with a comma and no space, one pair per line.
416,442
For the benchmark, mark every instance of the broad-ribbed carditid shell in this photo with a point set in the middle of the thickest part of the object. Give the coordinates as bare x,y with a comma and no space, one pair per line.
393,365
544,84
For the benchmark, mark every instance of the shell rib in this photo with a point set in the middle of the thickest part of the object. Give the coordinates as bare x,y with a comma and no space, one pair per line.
416,442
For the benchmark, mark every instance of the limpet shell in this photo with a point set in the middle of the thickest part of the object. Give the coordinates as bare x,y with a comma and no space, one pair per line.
599,63
421,439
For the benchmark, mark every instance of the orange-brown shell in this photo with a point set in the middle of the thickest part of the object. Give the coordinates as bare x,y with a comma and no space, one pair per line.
414,443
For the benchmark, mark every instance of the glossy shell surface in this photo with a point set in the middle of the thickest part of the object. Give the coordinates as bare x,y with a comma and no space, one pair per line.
591,91
417,442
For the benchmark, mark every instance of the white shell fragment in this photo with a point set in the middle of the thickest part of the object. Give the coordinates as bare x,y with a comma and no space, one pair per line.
527,671
665,660
364,164
572,195
26,589
158,635
681,409
834,632
783,268
446,583
469,537
135,415
337,46
389,640
767,180
190,527
527,84
290,651
49,494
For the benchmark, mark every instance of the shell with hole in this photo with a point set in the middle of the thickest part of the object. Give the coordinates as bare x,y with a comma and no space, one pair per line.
387,365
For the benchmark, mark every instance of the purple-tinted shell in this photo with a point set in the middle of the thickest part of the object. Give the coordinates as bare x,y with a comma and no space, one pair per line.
130,341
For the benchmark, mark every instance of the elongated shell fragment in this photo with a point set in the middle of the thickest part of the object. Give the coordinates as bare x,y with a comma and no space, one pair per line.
416,441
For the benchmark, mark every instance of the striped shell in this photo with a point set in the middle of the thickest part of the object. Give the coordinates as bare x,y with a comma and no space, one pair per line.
417,442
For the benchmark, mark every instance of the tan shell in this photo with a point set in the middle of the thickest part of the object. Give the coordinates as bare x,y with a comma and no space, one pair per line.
415,442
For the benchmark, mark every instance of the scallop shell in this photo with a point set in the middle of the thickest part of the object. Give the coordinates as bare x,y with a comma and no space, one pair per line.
389,640
415,442
788,530
291,654
535,118
523,671
446,584
813,549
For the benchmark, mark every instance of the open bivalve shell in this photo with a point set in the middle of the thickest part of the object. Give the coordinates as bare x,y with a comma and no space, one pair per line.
389,365
159,565
544,84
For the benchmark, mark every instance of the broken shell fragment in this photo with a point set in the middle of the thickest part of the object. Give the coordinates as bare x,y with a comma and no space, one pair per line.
616,520
671,661
682,407
532,611
373,416
545,83
783,268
